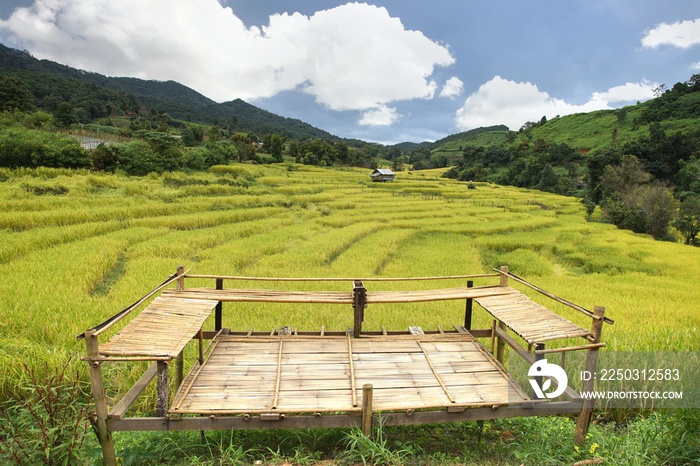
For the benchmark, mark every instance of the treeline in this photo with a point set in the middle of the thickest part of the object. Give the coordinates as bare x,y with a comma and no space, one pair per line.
156,144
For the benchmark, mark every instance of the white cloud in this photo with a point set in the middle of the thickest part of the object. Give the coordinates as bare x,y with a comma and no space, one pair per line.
352,57
695,66
452,88
629,92
380,116
501,101
682,34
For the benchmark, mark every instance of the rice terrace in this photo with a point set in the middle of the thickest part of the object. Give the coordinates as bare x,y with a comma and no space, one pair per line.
77,246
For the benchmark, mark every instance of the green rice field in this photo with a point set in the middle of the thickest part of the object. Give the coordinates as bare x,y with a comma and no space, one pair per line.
70,260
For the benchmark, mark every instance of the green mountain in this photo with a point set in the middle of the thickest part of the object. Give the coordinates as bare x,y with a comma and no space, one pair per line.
97,96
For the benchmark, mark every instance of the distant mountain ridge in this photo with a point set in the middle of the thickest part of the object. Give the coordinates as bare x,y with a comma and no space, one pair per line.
46,78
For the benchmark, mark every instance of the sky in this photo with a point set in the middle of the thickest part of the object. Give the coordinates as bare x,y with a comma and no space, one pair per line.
384,71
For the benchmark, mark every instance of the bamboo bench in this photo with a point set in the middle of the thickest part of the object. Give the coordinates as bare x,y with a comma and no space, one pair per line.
162,329
531,321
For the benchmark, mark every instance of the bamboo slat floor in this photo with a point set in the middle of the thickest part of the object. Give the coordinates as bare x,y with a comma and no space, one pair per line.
162,329
306,374
532,321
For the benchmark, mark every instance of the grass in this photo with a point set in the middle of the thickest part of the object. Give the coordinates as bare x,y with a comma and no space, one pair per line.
70,258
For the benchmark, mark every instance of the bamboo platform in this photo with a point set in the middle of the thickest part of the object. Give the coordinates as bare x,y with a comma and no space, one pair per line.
245,380
295,374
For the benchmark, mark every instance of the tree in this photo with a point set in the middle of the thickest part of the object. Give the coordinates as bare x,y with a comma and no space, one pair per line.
276,146
293,149
15,95
688,222
632,201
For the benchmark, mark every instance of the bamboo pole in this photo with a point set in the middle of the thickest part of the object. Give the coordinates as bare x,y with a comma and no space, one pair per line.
104,436
340,279
367,393
500,344
584,418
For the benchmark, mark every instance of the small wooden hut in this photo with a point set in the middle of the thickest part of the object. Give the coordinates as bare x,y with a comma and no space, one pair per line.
383,174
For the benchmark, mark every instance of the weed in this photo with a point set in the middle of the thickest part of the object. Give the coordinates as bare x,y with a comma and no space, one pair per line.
45,421
374,449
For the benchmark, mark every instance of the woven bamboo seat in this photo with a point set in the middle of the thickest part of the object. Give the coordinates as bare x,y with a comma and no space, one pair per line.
528,319
162,329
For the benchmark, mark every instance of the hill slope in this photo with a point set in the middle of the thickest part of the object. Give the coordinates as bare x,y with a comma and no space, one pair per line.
53,83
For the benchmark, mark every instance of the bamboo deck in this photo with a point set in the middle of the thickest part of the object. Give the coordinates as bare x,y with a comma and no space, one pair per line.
296,374
532,321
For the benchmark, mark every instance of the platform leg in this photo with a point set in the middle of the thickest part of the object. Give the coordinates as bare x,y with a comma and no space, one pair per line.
367,393
501,344
584,418
98,394
163,389
179,369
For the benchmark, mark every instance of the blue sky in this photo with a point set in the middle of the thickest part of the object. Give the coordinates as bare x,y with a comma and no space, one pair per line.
385,71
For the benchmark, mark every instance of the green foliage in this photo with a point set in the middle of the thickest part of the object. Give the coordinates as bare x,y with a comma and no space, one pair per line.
632,202
688,221
45,420
15,95
22,147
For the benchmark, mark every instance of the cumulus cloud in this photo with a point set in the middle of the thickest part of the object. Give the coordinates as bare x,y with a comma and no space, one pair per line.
501,101
381,116
682,34
351,57
629,92
452,88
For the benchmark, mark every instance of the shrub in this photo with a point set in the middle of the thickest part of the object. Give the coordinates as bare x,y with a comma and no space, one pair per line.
22,147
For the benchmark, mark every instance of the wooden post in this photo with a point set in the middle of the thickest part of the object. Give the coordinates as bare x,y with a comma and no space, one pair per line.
98,394
367,393
584,418
163,390
179,369
504,275
501,344
201,346
219,307
359,296
181,277
468,309
538,356
493,336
